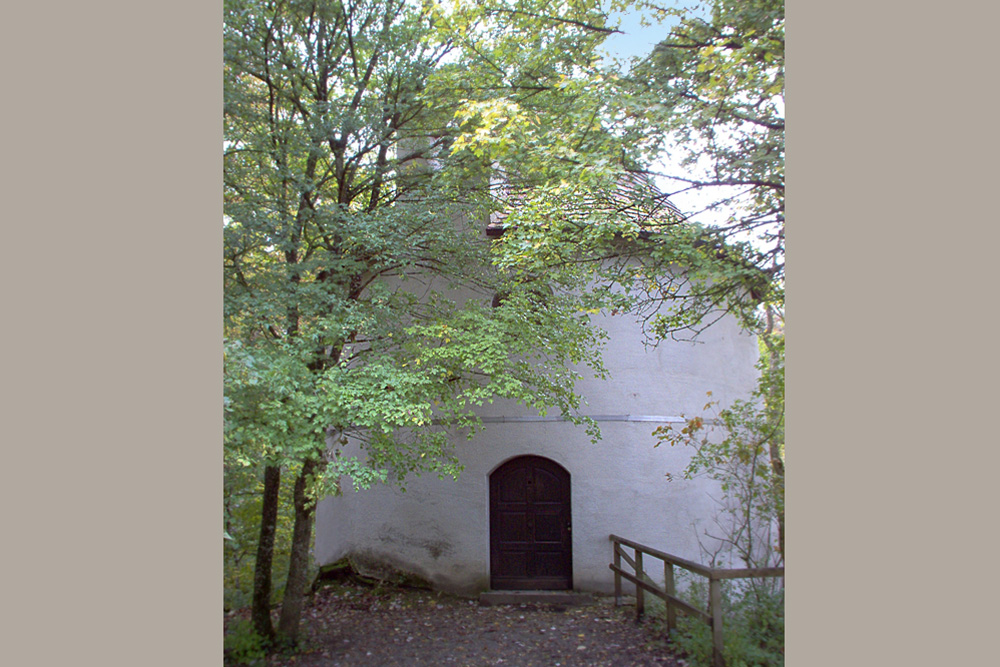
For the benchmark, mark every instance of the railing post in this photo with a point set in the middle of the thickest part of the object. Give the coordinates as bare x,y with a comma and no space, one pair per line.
715,609
640,597
617,560
670,588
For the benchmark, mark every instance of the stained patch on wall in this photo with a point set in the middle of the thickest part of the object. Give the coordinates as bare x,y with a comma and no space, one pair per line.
432,541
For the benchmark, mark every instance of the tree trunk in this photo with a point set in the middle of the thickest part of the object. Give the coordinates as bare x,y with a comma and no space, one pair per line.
261,607
298,567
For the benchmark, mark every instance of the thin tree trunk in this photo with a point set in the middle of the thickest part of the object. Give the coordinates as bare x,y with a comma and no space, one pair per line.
777,463
261,607
778,466
298,567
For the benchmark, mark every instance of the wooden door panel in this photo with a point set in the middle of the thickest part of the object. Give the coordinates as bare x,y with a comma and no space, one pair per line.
514,563
514,487
549,564
514,527
548,529
547,487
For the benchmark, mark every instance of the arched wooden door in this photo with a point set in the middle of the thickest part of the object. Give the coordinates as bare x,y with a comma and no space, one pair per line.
530,543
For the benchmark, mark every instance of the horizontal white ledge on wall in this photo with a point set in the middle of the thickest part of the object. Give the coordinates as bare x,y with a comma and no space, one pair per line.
523,419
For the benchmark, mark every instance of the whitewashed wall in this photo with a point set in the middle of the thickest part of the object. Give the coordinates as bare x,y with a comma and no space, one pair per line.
439,530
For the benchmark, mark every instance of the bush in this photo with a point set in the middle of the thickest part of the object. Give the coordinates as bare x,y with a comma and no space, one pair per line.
242,645
753,626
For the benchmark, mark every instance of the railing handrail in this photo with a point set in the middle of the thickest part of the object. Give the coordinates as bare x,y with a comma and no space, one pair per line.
662,555
698,568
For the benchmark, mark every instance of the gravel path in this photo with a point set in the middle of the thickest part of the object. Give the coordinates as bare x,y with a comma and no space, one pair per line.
350,625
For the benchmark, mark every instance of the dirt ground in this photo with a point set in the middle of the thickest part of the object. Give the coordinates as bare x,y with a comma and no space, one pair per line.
349,624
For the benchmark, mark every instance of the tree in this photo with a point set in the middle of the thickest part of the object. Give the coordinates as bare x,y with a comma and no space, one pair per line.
747,460
577,152
718,84
712,94
362,302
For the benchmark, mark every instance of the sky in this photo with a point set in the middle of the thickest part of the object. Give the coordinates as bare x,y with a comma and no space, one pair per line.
637,41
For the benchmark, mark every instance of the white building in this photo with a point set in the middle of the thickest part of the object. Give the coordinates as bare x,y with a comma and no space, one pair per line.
537,500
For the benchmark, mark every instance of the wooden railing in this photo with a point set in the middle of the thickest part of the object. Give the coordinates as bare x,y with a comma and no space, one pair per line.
643,583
